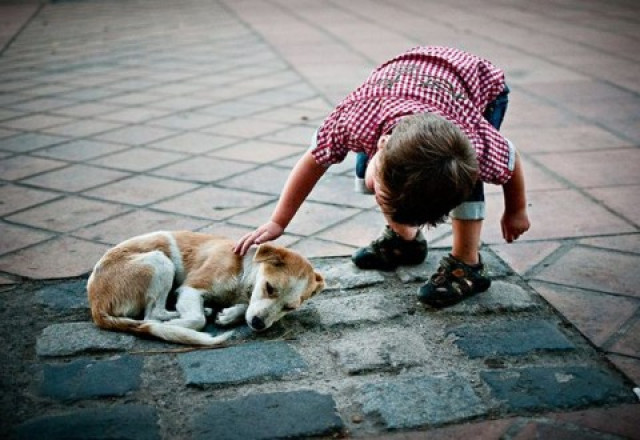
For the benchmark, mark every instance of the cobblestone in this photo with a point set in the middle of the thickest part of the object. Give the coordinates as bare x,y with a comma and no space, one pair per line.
123,421
91,379
419,401
536,388
391,349
240,364
352,309
510,338
80,337
269,416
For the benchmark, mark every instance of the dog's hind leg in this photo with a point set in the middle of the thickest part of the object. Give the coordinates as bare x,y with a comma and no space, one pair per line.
190,306
159,287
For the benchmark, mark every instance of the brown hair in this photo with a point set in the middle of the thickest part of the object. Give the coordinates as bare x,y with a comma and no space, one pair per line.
427,168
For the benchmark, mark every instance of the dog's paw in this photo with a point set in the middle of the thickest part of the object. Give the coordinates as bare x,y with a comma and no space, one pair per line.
228,316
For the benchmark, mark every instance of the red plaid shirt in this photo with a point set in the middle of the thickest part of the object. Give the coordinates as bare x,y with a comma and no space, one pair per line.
453,84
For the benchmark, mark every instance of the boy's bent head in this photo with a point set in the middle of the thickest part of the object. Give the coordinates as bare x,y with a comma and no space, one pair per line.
427,168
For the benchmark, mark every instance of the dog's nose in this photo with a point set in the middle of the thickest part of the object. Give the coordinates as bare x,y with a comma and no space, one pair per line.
257,323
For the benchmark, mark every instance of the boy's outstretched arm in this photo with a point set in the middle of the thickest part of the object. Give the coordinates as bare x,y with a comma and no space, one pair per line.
515,220
303,178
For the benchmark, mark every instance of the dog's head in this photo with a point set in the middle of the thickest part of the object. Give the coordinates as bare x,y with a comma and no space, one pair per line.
285,280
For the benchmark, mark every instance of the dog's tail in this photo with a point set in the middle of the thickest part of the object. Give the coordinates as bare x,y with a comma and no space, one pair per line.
161,330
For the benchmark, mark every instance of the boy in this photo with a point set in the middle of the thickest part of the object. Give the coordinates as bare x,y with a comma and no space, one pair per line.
427,124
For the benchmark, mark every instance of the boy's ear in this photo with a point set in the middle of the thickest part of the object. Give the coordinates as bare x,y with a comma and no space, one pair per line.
268,253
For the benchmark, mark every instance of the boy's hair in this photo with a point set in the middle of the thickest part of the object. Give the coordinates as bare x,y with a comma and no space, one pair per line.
427,168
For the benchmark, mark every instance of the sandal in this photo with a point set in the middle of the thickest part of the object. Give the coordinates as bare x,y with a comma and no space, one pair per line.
389,251
453,282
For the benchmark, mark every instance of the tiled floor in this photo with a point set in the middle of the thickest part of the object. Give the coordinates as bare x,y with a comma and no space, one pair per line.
117,119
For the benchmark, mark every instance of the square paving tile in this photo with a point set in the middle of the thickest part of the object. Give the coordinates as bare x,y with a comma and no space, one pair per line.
550,218
596,168
35,122
136,135
26,142
19,167
628,365
134,114
140,190
232,232
14,198
245,128
88,109
257,152
67,214
301,135
213,203
195,143
266,179
41,104
606,271
357,231
43,261
310,218
17,237
139,98
312,247
203,169
530,112
82,128
522,257
180,103
626,243
330,185
137,222
187,121
624,200
75,178
81,150
138,159
598,316
562,139
235,108
629,343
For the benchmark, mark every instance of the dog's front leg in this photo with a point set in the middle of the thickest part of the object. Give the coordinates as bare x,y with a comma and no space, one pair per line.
190,306
232,315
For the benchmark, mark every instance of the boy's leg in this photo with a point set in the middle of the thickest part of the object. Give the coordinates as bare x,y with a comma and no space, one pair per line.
362,160
398,245
462,273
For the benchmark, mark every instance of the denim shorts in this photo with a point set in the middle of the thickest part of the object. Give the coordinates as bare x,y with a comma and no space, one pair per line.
474,207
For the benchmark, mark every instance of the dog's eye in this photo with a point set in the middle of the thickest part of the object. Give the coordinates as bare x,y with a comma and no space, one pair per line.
271,291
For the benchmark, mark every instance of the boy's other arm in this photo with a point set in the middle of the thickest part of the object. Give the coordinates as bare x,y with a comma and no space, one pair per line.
301,180
515,220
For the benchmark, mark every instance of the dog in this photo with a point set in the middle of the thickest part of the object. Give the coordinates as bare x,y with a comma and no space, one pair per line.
134,279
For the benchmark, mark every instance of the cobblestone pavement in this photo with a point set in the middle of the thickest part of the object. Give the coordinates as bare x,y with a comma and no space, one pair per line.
122,117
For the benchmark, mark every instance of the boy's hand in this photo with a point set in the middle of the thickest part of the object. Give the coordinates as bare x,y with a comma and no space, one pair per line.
514,224
267,232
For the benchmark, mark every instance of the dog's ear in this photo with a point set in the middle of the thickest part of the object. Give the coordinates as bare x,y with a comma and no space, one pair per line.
268,253
319,283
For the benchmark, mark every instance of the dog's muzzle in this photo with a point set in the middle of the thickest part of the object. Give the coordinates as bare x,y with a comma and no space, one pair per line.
257,324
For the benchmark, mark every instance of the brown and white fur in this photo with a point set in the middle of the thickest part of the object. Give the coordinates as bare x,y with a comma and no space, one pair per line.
134,278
